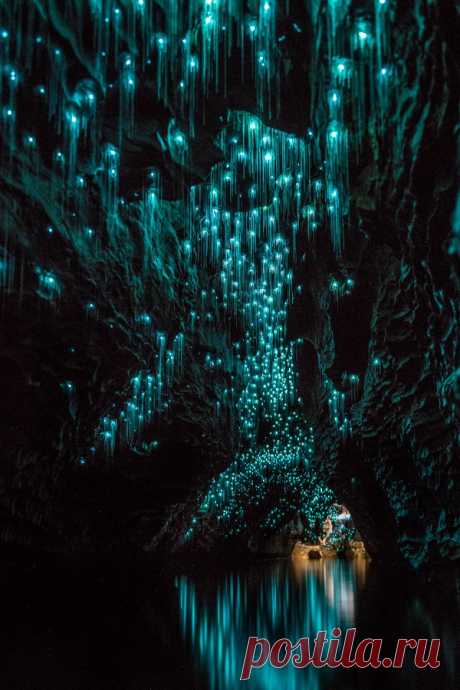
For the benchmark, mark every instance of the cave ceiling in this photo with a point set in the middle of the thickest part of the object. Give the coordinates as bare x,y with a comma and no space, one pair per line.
229,254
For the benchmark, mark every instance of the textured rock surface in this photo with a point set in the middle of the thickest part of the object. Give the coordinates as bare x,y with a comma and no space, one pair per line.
397,472
400,475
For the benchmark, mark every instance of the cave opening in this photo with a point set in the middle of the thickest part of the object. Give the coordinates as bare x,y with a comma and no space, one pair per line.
337,536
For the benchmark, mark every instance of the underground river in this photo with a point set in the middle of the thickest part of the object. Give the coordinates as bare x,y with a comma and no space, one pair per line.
97,627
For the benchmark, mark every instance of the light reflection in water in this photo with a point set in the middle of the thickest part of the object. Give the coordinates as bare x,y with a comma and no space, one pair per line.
280,600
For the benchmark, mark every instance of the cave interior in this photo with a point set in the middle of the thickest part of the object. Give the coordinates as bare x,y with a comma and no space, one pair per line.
229,279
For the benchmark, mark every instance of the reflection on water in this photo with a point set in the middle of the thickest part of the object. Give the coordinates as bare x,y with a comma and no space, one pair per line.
296,599
103,628
279,600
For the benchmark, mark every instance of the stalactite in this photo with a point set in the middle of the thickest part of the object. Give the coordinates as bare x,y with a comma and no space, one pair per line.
127,89
110,189
242,224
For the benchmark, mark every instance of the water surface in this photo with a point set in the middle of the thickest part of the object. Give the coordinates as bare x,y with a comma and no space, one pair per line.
126,626
296,599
